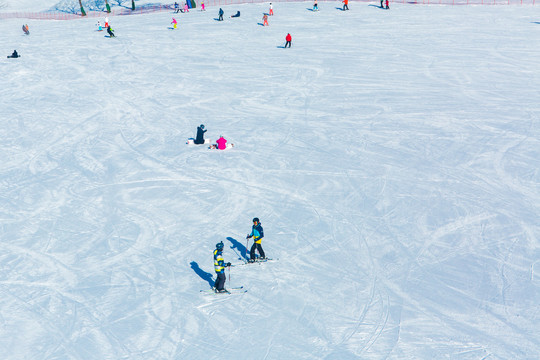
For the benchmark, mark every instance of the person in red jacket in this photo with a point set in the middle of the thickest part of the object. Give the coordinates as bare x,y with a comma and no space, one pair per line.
345,5
387,7
288,40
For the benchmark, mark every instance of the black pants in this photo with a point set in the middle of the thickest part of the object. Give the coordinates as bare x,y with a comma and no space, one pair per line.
220,281
345,7
220,17
288,43
254,247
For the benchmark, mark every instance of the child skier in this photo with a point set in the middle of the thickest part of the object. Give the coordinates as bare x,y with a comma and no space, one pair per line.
202,6
186,8
345,5
387,7
25,29
265,20
99,28
219,267
316,6
271,11
257,234
107,22
174,22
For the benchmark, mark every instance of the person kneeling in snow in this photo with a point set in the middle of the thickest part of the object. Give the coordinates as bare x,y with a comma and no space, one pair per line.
236,15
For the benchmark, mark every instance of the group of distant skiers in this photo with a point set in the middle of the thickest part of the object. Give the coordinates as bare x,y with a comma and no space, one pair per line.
219,263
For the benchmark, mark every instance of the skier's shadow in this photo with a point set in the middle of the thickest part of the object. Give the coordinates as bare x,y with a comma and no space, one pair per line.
378,7
202,274
260,24
341,9
238,248
536,22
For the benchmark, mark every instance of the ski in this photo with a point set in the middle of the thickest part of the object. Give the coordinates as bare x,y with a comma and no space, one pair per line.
229,291
257,261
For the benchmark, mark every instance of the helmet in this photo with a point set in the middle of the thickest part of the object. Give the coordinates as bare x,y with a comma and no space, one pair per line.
256,220
202,126
219,245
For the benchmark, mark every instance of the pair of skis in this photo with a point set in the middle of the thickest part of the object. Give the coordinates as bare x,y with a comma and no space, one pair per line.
229,291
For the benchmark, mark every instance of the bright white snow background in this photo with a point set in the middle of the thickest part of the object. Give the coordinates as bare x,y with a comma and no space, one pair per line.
392,156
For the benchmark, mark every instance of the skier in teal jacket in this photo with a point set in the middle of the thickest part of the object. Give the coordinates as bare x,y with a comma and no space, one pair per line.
257,234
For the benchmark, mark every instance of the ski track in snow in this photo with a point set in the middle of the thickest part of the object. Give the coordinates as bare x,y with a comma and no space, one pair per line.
392,157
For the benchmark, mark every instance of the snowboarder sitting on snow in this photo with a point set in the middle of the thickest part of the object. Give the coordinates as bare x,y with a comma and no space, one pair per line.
221,144
257,234
14,55
200,135
236,15
219,267
110,32
220,14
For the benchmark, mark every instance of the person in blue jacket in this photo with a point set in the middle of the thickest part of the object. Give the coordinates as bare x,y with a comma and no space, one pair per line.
200,135
219,267
220,14
257,234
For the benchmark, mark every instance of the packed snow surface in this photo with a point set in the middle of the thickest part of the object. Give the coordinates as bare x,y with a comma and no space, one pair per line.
391,155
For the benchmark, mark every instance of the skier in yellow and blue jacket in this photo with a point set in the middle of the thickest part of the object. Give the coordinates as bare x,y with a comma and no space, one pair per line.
257,234
219,267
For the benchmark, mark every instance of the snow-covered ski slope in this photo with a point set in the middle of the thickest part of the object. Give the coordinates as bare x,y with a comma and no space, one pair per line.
392,157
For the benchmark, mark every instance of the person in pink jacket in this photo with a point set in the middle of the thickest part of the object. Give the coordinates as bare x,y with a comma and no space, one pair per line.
174,22
221,143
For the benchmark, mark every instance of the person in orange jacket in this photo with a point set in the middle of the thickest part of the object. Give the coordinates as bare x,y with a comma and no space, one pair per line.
265,20
345,5
288,40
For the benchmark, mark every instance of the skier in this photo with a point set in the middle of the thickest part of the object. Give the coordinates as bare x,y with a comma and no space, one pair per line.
220,14
257,234
387,7
345,5
288,40
107,22
110,32
200,135
237,14
316,6
174,22
265,20
219,267
271,11
221,143
25,29
99,27
14,55
176,8
186,8
202,6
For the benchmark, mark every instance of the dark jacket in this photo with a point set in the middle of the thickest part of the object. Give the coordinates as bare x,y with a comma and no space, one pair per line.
200,136
15,54
221,11
237,14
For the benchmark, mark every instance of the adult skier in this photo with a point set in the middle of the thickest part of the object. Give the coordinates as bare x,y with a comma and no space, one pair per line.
316,6
257,234
219,267
387,7
345,5
200,135
220,14
110,32
288,40
271,11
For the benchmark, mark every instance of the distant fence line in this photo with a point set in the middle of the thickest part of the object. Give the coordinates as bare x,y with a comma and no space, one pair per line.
59,15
